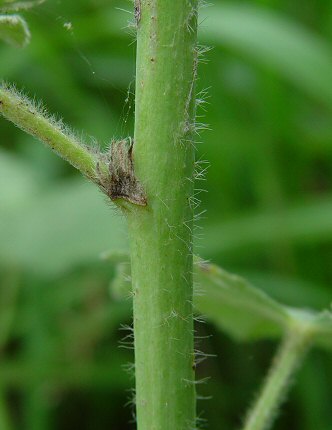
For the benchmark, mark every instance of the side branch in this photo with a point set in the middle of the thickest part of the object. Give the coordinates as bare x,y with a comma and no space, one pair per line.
289,356
35,121
112,171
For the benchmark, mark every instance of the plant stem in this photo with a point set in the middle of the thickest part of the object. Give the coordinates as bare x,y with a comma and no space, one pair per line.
34,121
161,233
286,362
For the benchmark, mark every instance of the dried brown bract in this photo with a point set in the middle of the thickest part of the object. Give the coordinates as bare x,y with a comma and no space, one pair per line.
120,181
137,11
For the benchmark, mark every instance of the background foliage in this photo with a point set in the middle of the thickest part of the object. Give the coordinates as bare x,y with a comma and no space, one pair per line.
269,204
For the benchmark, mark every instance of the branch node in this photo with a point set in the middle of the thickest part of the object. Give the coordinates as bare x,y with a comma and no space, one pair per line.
120,182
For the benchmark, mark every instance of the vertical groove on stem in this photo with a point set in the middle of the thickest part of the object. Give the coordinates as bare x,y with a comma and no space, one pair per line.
286,362
161,233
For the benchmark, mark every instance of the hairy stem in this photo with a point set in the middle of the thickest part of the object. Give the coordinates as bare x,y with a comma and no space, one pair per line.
286,362
34,121
161,233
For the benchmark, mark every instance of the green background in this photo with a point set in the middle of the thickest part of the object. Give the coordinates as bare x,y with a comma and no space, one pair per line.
267,82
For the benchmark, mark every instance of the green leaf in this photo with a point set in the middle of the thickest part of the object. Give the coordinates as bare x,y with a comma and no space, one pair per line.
14,30
234,305
246,313
273,40
14,6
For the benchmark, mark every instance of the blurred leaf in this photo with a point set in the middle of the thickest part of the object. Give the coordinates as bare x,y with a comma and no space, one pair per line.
121,283
17,373
274,41
238,308
8,306
67,226
5,422
308,222
246,313
293,291
14,30
51,231
18,183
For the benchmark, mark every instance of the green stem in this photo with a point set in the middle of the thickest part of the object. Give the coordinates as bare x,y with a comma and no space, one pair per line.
34,121
161,233
286,362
